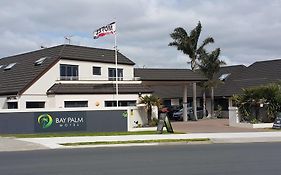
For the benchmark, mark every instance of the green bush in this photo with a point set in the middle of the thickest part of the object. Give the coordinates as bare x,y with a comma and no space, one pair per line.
259,104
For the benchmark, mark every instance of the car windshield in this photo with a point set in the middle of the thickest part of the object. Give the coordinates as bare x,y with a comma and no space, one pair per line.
188,109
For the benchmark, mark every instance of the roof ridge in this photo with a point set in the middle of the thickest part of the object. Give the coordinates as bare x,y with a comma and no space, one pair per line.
271,60
88,47
57,46
162,69
34,51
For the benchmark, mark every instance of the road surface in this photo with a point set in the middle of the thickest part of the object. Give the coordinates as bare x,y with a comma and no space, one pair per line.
210,159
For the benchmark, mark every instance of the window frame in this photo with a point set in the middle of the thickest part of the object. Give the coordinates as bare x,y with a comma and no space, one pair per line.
96,72
39,103
70,72
121,103
74,104
112,74
12,102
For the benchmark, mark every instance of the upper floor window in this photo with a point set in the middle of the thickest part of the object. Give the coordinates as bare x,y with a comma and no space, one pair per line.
68,72
96,70
112,74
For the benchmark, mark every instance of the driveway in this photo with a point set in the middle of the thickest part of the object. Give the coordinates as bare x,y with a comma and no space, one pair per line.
209,126
11,144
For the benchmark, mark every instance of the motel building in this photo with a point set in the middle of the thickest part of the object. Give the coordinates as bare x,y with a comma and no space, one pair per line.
73,88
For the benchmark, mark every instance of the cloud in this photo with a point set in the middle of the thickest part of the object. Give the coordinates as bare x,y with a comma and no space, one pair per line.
245,30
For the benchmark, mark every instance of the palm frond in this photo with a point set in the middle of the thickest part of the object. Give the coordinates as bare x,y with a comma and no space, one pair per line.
205,42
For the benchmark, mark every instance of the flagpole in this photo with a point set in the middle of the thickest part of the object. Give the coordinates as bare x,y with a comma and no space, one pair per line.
116,68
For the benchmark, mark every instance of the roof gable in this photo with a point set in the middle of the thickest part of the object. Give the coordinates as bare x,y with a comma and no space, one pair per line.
25,72
257,74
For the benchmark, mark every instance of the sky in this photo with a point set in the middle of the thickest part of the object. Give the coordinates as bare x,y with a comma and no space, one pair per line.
246,30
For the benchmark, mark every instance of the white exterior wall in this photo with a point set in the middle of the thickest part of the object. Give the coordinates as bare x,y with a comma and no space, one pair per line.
37,92
41,86
85,70
95,101
3,104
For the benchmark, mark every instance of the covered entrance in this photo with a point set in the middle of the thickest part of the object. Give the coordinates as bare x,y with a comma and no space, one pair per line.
184,81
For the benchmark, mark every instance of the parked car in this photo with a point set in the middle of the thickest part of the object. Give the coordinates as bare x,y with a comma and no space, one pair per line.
172,110
179,114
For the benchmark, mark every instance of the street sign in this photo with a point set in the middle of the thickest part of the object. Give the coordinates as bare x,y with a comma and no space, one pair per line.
164,120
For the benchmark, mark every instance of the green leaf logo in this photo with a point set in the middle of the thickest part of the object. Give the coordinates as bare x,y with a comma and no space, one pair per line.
45,121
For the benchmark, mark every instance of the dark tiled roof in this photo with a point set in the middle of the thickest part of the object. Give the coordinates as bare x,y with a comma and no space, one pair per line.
258,74
176,91
24,73
14,81
93,54
98,89
233,70
147,74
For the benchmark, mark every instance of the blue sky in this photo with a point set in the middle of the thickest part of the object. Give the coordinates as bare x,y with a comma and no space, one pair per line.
245,30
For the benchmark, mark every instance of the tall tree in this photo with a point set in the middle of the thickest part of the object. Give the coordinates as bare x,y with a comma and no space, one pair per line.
188,44
209,65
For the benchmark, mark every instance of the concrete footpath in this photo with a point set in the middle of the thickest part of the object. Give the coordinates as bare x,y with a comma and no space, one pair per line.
12,144
217,130
55,142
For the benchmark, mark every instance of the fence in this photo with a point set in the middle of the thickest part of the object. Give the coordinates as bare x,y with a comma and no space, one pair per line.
62,120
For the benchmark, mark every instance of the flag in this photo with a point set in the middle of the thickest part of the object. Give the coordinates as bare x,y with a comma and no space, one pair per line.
105,30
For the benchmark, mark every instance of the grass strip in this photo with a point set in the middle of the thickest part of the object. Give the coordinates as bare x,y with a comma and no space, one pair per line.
77,134
136,141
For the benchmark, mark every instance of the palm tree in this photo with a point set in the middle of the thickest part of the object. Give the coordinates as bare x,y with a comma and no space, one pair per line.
149,101
210,65
188,44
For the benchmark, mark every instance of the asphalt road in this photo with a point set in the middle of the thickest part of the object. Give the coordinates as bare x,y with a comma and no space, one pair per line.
216,159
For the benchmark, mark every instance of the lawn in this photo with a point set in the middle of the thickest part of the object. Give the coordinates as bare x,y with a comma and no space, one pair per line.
137,142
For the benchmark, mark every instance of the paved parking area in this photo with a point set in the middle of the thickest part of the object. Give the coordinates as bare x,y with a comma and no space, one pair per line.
210,126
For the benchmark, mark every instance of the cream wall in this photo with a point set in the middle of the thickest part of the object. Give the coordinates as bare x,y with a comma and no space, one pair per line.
37,92
3,103
41,86
86,69
93,100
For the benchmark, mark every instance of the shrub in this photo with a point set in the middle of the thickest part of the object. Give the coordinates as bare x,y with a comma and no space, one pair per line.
259,104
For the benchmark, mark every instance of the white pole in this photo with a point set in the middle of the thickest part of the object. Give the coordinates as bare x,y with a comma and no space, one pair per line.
116,69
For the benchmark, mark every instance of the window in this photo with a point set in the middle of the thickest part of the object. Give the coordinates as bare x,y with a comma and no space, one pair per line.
120,103
112,74
127,103
35,104
68,72
110,103
12,105
10,66
96,70
75,104
40,61
223,77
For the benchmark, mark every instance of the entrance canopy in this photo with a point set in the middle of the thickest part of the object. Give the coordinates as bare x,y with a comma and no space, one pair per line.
170,76
162,78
